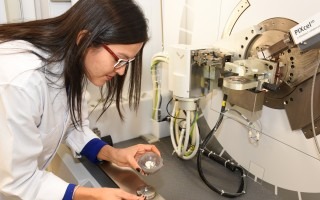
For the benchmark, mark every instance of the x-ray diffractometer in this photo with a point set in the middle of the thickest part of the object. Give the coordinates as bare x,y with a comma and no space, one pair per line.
230,82
270,56
271,82
266,63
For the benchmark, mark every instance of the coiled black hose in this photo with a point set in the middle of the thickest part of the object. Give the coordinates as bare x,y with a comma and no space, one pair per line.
226,163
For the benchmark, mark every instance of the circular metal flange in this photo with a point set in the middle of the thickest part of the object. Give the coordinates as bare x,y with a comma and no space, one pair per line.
293,68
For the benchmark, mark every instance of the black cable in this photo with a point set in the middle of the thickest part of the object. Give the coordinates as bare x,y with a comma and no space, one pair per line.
169,113
213,156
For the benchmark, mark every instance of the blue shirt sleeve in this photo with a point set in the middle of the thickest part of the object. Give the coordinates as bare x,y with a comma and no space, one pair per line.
69,192
92,149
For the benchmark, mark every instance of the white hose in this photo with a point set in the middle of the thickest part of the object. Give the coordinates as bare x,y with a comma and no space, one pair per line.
180,150
187,133
156,82
197,143
173,137
181,138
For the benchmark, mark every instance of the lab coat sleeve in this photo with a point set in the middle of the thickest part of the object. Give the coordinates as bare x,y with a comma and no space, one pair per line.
21,145
78,138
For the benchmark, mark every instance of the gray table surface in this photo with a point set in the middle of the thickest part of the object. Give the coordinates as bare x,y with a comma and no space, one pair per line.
179,179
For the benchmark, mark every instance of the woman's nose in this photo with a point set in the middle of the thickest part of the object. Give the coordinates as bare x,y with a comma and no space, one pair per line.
120,71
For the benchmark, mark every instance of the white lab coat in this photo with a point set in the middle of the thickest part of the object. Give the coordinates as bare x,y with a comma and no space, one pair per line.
34,120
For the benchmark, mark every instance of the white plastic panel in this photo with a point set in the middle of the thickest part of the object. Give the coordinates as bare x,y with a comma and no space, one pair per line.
14,12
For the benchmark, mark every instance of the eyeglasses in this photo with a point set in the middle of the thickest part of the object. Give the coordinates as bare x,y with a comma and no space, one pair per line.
119,61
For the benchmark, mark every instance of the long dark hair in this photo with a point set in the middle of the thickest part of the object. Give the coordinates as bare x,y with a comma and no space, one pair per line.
105,21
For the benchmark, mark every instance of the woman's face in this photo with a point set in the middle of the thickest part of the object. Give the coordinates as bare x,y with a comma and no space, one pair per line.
99,62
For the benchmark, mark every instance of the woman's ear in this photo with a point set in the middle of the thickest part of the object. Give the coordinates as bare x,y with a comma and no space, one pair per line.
81,34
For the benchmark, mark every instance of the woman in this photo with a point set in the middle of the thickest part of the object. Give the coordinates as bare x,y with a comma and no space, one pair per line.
45,66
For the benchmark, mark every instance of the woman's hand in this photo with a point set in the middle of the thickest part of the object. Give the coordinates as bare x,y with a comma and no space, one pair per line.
126,157
83,193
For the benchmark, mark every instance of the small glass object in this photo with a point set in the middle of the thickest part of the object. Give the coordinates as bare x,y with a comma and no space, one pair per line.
146,191
150,162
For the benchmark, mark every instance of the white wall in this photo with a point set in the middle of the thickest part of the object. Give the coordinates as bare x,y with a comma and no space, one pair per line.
3,18
30,10
57,8
152,11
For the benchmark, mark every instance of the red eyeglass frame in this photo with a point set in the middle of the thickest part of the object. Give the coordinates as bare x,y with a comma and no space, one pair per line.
119,61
